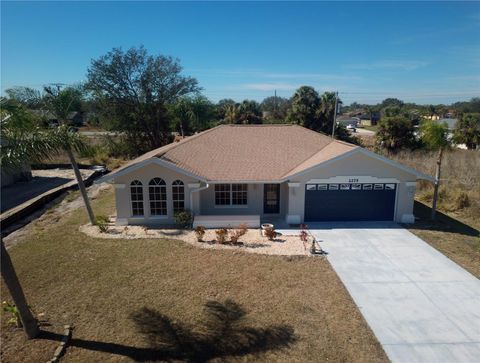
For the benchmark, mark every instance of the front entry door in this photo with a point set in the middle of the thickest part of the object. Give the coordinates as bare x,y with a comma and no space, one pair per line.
271,198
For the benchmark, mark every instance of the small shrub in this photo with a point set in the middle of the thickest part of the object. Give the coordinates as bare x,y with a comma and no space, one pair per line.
270,233
237,233
303,233
462,201
15,316
303,236
183,219
200,232
102,223
221,235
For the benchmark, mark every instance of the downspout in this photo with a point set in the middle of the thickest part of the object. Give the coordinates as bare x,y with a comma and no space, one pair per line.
196,191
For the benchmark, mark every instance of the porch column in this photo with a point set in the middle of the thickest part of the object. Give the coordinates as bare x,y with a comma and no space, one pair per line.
405,203
294,200
194,198
122,202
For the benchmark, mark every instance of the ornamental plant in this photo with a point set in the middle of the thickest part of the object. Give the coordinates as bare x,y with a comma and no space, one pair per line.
221,235
12,309
237,233
303,232
200,232
102,223
270,233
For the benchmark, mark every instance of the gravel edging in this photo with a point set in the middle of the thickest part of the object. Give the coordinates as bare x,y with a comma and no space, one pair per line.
252,241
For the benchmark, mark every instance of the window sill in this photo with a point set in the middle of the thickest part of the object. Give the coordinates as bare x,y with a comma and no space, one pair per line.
158,217
229,206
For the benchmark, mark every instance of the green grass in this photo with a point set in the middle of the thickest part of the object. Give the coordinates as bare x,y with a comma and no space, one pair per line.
297,310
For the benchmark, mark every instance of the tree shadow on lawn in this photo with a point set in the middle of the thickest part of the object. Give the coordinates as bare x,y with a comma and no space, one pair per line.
223,334
443,222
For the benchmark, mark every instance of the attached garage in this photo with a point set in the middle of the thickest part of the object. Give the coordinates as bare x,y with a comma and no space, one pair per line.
350,202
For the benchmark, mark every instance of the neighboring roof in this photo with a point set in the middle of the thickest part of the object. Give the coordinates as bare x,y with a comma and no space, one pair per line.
451,122
245,153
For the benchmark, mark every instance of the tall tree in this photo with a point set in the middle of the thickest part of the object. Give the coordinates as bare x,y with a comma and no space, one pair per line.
29,97
276,107
467,130
232,113
305,103
249,112
435,136
395,133
61,102
221,108
326,112
192,114
136,89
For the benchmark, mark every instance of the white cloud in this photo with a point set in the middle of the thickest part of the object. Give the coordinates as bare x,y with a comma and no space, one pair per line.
403,65
270,86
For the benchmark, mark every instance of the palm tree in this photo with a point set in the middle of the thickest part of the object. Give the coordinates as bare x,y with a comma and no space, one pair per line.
23,142
61,103
231,113
17,147
435,137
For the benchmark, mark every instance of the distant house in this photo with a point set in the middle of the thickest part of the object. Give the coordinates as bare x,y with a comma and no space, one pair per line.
369,120
348,120
234,174
451,123
74,118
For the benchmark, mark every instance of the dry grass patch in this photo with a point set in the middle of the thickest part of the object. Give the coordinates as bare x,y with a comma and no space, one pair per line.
456,240
459,193
97,284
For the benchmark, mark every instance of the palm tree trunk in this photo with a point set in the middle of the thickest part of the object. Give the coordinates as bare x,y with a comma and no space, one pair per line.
30,326
81,186
437,184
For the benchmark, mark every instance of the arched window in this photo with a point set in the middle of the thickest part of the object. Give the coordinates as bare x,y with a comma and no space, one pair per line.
157,192
136,193
178,194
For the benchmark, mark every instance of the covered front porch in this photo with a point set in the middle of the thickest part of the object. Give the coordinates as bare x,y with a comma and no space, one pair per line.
229,205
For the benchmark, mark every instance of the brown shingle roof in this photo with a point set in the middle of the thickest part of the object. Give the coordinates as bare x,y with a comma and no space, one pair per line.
249,152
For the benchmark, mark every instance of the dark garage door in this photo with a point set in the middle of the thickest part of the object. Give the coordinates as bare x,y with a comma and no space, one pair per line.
349,202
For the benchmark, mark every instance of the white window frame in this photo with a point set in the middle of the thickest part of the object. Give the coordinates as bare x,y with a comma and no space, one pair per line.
230,192
178,197
139,202
161,185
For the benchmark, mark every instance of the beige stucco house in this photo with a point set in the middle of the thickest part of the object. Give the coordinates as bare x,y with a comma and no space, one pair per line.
254,173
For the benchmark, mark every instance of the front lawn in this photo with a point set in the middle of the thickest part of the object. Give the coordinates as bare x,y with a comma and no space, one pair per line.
146,299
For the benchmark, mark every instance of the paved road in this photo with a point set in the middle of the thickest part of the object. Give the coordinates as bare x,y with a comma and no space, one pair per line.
43,181
364,132
421,306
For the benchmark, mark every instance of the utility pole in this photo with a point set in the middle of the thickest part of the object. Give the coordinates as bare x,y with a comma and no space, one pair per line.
335,115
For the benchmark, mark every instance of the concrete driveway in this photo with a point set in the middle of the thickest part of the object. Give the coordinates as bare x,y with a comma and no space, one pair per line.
421,305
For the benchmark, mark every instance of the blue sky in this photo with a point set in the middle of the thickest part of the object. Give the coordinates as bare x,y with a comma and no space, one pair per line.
425,52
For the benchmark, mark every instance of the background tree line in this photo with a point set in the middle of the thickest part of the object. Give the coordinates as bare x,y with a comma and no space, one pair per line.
147,100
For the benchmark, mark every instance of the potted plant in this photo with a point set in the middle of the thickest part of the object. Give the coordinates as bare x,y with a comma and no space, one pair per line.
266,226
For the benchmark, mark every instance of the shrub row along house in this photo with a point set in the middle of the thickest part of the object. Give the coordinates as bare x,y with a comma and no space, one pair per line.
234,174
